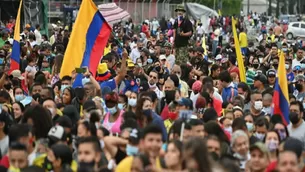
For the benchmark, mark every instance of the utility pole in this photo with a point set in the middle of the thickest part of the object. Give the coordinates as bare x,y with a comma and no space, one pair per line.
214,4
248,7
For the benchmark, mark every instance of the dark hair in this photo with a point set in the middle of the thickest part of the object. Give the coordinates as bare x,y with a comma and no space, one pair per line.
92,140
245,88
152,129
198,150
50,92
123,96
14,90
230,163
5,95
58,63
239,124
17,131
209,115
129,123
72,93
298,103
214,67
34,85
18,147
262,121
195,122
62,152
41,118
20,105
66,78
139,111
90,127
225,76
277,134
207,79
212,127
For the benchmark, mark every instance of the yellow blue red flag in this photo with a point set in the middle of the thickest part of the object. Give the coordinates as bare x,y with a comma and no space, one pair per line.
15,57
88,39
240,61
280,94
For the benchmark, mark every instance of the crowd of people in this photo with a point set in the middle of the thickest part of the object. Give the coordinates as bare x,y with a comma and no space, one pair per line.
159,101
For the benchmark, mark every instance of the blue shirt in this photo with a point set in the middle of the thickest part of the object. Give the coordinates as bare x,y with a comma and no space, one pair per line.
158,121
109,83
290,77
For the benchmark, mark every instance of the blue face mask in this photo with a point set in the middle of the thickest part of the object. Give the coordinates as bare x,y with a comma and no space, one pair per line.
85,80
131,150
63,87
121,106
18,98
112,111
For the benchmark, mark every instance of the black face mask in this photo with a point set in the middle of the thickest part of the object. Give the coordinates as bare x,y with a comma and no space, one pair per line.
294,117
299,87
158,68
170,96
7,86
255,66
275,66
140,48
85,166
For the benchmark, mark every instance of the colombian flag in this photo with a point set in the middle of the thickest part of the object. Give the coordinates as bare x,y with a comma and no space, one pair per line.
88,39
240,61
280,95
15,57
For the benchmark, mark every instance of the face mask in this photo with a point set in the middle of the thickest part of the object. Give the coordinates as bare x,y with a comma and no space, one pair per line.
140,48
242,96
151,51
132,102
63,87
147,112
294,118
228,129
131,150
260,136
250,126
140,64
121,106
284,49
179,76
258,105
255,66
275,66
112,111
85,80
52,111
149,61
286,66
7,86
86,166
267,110
18,98
172,115
282,135
273,145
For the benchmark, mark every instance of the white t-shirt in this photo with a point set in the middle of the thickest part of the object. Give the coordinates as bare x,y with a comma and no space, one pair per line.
135,53
31,69
4,145
37,36
295,62
155,25
200,30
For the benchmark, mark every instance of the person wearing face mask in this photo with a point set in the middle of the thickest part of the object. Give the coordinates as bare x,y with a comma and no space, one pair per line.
289,72
183,29
267,102
113,118
271,76
136,52
260,81
51,106
300,88
296,128
256,105
272,142
261,128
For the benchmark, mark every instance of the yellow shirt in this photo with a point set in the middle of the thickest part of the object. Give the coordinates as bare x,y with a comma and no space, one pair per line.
243,41
107,50
125,164
39,162
168,124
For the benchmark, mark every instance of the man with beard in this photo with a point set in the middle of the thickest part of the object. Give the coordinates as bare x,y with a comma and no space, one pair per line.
300,88
300,57
200,64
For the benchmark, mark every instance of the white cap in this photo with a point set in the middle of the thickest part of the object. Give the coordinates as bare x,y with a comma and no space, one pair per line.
162,57
57,132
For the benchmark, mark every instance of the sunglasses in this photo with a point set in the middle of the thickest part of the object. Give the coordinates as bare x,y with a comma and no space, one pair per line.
154,77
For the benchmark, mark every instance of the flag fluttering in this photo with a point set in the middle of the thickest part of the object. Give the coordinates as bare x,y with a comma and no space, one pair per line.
15,57
280,95
88,39
240,61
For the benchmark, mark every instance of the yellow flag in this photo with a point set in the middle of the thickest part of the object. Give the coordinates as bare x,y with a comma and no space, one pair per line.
203,45
219,12
240,61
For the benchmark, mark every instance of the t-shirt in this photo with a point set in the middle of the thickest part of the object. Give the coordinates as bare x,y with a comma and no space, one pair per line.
185,26
2,42
4,145
109,83
298,133
31,69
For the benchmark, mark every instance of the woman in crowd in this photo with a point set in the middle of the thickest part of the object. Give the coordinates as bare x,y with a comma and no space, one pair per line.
18,94
68,95
18,110
132,101
174,156
272,141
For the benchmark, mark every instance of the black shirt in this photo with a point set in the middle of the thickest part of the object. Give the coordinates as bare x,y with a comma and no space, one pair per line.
185,26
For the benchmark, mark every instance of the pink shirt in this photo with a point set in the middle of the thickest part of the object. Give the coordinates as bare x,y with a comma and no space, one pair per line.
113,127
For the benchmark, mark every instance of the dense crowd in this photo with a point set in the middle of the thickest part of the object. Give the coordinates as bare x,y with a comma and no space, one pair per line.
167,98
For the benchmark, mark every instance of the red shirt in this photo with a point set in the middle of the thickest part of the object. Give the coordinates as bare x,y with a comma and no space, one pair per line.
5,162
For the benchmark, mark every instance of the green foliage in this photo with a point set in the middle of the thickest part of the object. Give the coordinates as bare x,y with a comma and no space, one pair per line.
229,7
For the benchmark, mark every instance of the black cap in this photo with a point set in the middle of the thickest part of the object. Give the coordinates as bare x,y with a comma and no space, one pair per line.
89,105
64,121
261,77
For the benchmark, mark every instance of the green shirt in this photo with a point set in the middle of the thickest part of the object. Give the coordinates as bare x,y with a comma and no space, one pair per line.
2,42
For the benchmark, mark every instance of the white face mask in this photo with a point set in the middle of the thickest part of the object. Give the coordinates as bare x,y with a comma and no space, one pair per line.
287,66
258,105
132,102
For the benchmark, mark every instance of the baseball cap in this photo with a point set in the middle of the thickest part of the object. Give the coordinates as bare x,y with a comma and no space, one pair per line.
296,68
293,145
299,77
56,134
271,73
261,77
218,57
185,102
64,121
162,57
17,74
135,136
89,105
167,44
260,146
197,86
